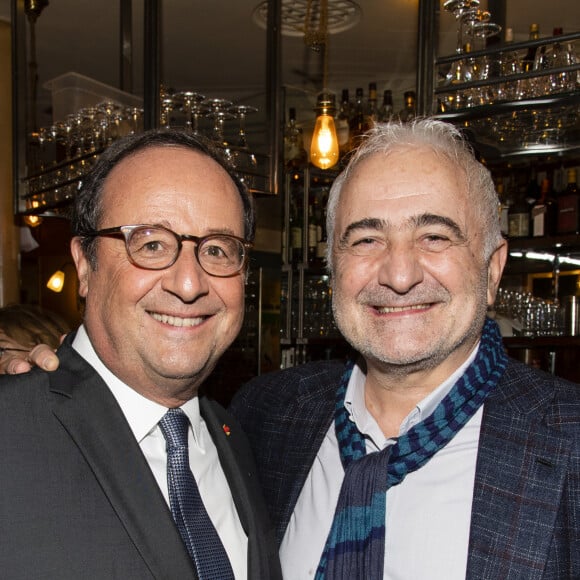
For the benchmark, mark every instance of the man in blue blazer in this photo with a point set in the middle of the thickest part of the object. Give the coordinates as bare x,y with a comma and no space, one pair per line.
91,469
430,454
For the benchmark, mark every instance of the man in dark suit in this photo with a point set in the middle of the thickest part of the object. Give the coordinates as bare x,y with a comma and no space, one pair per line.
430,454
92,472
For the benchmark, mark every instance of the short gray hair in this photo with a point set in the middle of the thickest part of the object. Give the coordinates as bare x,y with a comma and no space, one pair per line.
445,140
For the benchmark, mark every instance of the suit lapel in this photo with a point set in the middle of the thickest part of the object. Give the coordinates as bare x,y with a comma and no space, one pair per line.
238,466
310,417
519,479
88,411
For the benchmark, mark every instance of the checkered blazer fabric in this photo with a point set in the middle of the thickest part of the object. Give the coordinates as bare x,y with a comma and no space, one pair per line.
526,506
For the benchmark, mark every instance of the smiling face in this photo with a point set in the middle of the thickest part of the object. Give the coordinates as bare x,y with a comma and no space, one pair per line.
163,331
411,285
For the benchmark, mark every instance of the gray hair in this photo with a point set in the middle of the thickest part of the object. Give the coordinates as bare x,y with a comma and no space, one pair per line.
445,140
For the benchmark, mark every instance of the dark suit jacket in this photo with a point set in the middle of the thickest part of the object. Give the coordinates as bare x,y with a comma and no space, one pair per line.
77,497
526,505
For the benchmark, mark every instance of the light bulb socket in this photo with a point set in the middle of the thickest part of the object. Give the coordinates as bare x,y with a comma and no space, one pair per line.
326,104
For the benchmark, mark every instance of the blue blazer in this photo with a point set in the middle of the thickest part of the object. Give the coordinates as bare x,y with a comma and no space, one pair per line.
78,499
526,504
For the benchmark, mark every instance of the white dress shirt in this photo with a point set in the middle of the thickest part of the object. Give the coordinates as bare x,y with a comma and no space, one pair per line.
143,416
428,514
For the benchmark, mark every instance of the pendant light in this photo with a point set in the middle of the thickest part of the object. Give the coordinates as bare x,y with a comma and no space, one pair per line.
324,144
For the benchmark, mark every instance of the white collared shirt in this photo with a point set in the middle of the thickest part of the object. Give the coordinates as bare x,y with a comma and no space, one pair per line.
428,514
143,416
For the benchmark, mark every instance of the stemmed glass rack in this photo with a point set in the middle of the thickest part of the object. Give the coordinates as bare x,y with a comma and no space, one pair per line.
513,112
61,154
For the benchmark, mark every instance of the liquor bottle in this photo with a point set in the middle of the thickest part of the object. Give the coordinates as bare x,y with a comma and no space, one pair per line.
342,125
295,156
313,233
322,240
569,207
544,212
296,219
529,59
504,208
372,112
322,243
528,87
357,120
519,217
532,190
408,113
386,110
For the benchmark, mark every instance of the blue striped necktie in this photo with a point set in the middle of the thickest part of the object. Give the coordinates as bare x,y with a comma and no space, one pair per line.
192,520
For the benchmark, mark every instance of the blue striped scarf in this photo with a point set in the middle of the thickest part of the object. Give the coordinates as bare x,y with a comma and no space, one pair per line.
356,543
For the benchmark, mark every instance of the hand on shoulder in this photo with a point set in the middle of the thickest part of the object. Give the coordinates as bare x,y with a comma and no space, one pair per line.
16,358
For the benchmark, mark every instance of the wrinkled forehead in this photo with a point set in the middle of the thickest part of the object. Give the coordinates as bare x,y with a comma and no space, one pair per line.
405,183
171,182
416,179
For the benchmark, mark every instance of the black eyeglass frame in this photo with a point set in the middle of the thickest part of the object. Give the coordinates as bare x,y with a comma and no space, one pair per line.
125,232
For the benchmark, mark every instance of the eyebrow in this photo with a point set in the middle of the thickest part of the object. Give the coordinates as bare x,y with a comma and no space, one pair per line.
432,219
364,224
422,220
225,230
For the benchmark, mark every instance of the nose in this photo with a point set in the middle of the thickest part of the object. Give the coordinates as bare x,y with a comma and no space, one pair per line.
400,268
186,279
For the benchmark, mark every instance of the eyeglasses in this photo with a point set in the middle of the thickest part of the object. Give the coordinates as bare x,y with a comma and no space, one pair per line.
158,247
4,349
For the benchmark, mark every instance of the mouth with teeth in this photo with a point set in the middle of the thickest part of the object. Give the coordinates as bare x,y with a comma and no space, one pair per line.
177,320
396,309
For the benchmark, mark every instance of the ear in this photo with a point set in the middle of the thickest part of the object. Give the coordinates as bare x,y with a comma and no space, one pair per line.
82,265
495,270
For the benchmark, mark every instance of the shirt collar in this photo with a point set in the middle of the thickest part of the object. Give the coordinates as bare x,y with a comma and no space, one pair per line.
354,402
141,413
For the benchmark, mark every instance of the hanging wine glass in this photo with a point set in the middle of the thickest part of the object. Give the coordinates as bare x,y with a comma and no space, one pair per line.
167,107
480,28
244,160
111,113
135,117
89,128
460,70
473,25
198,111
241,112
459,8
218,111
77,137
188,100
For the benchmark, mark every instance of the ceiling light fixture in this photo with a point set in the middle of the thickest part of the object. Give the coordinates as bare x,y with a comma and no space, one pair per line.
32,220
56,281
341,15
324,145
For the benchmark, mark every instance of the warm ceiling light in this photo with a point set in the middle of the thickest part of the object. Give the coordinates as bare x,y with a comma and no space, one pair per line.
32,220
56,281
324,145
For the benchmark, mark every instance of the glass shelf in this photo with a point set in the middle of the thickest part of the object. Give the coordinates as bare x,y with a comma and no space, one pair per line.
515,115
